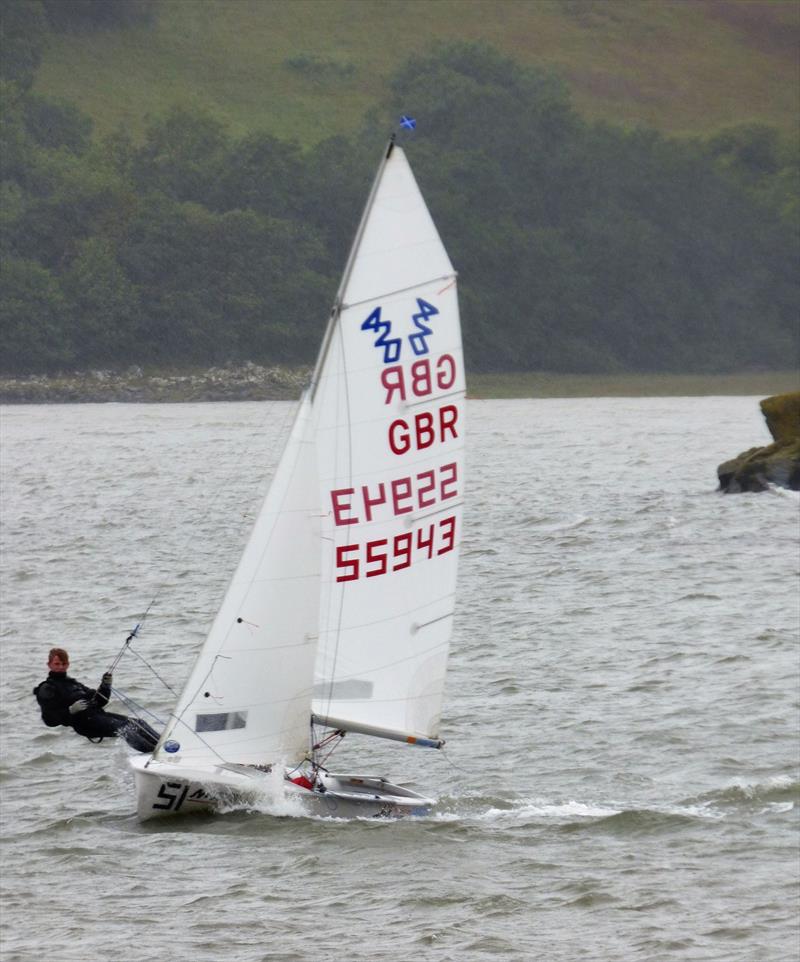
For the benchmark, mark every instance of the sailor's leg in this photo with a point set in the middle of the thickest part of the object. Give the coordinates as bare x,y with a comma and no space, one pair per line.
99,724
139,735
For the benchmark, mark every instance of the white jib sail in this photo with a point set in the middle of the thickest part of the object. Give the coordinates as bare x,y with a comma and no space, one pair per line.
247,698
390,440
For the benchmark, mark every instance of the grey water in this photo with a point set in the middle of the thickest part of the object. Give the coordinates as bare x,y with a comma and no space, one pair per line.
621,775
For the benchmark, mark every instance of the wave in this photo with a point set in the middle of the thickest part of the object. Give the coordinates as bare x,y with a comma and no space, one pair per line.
780,492
574,815
779,789
43,759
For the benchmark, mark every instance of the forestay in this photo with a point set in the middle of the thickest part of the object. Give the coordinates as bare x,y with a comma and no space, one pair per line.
390,438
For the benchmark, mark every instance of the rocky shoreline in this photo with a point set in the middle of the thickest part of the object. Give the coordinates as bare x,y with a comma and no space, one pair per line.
246,382
254,382
776,463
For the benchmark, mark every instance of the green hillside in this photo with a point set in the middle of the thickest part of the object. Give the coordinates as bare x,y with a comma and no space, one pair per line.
306,69
210,226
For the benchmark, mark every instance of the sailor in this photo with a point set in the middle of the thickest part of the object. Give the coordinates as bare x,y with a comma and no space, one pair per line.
65,701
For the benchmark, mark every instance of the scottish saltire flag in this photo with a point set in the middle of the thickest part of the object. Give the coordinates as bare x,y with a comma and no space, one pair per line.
408,122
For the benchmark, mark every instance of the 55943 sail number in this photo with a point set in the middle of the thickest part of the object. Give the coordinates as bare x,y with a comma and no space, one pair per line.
371,559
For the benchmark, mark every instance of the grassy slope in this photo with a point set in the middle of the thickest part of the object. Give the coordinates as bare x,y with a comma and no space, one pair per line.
679,65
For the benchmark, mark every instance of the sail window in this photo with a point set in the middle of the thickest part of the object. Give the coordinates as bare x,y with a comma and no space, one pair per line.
221,721
350,689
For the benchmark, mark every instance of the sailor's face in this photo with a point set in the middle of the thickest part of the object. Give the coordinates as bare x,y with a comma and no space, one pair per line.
58,664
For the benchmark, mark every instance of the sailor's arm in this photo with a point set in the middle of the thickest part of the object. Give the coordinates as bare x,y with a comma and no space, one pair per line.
54,711
103,693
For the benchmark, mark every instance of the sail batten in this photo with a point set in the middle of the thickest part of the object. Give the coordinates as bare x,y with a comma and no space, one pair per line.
405,290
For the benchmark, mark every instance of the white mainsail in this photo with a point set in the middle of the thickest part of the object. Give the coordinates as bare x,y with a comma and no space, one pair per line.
390,439
247,698
342,603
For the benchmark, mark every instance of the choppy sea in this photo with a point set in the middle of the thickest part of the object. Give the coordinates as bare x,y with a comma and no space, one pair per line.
622,771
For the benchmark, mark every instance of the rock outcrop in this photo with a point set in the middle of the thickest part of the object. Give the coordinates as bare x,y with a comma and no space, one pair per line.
777,463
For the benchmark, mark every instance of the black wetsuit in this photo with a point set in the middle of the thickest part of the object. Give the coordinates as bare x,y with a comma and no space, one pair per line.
58,691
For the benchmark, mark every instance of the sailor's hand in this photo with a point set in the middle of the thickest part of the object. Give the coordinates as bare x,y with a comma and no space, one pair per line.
107,678
78,706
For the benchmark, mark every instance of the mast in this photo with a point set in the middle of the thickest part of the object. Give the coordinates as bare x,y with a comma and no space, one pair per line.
337,303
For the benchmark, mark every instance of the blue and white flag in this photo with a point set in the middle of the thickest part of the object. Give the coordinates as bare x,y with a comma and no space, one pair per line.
408,122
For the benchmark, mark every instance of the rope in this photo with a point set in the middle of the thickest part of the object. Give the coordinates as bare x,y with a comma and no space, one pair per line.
333,738
450,762
148,665
134,706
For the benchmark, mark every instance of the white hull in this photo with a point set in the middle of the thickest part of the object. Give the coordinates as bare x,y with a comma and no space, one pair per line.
166,788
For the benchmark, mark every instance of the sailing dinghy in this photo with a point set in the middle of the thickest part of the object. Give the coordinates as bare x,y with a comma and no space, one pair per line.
339,616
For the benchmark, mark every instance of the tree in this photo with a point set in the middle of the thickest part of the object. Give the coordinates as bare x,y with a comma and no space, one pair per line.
221,287
90,15
103,306
16,148
183,156
765,163
55,124
75,201
23,34
32,311
263,174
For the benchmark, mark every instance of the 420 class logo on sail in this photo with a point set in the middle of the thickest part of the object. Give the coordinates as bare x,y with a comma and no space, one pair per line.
392,346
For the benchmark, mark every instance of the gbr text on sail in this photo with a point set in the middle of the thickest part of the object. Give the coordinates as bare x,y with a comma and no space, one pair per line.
419,497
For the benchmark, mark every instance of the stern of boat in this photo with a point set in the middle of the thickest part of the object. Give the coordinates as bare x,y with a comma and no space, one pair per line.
364,796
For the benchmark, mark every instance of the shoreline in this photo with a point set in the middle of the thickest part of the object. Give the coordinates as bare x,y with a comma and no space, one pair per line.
251,382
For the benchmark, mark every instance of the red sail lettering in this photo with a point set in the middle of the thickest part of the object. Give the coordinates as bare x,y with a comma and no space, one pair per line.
421,378
449,477
401,491
424,489
370,503
392,380
445,372
340,508
399,438
425,430
425,433
448,415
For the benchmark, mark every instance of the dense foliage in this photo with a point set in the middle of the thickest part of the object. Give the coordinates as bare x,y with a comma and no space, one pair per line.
86,16
581,247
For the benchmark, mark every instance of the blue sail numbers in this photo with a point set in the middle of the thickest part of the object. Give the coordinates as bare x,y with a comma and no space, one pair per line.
392,346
